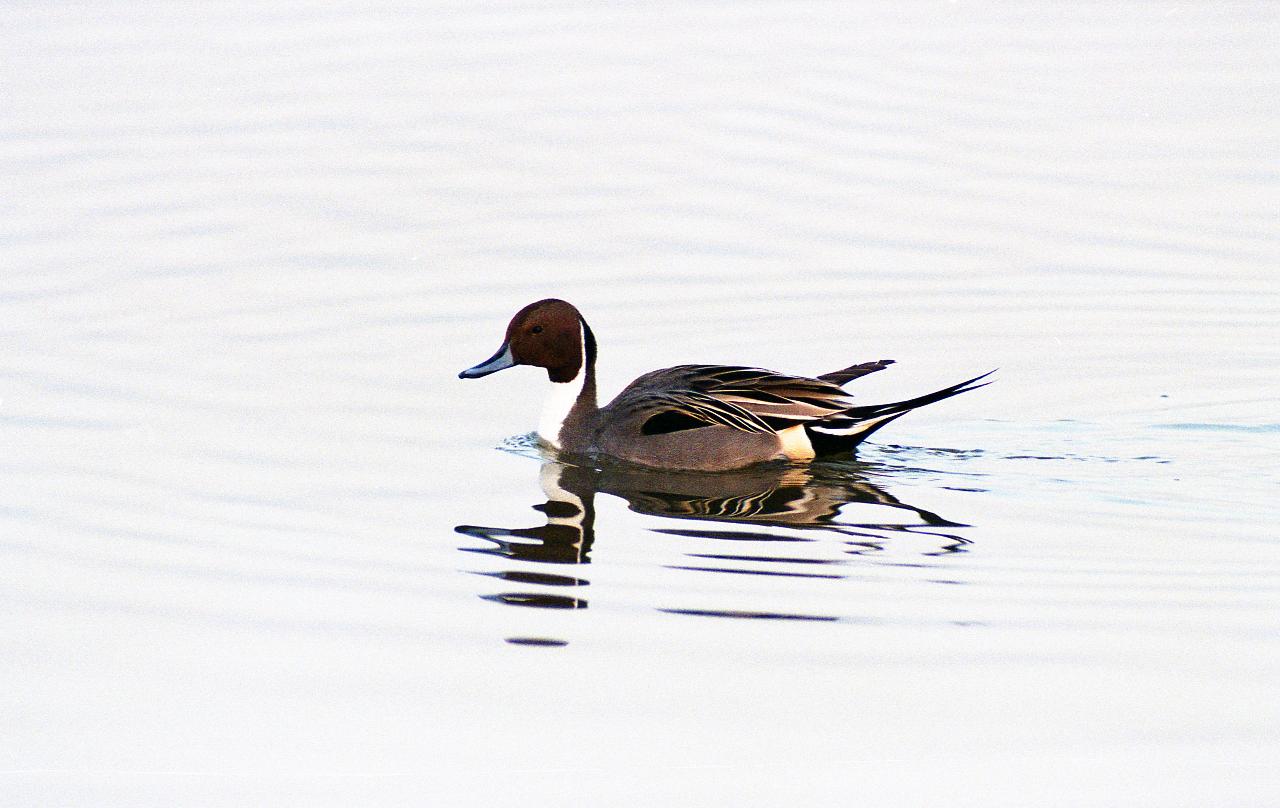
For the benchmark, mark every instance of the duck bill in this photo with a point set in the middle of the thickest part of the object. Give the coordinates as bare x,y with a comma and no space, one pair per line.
499,361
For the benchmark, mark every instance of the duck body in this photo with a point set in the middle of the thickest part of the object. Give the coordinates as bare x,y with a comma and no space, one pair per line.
696,417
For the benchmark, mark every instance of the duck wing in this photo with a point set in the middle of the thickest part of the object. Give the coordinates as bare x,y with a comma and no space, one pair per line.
744,398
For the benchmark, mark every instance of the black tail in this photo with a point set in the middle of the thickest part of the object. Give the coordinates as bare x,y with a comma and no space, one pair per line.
845,430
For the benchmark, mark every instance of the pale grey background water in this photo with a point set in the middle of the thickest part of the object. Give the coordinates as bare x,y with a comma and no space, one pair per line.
243,253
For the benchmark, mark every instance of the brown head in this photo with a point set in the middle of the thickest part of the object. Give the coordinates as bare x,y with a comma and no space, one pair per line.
548,334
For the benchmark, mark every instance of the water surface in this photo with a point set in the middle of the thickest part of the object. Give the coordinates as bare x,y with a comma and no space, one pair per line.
260,546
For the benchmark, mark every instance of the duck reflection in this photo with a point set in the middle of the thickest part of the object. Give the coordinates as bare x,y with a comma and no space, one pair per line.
748,506
759,511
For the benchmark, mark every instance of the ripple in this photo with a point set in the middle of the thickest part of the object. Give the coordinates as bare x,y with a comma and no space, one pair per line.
543,578
1257,429
730,535
538,642
739,614
774,573
537,600
767,559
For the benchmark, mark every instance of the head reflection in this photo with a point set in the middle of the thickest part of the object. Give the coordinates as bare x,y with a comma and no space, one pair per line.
566,537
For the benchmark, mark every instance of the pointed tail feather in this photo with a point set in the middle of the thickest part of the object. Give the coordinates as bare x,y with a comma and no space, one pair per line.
843,377
843,432
901,407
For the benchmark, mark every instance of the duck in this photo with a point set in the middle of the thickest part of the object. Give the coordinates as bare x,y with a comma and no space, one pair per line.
702,417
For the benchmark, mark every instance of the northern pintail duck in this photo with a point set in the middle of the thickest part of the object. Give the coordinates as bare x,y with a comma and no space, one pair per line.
703,417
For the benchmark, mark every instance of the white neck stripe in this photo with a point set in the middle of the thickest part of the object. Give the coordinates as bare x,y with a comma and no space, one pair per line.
560,401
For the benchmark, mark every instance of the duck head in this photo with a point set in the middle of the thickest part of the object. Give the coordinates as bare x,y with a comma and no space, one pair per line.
549,334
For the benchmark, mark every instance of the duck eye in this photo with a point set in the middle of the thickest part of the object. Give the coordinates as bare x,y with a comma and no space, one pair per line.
537,329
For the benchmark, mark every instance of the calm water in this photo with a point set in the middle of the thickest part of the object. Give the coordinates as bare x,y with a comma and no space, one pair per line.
258,545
